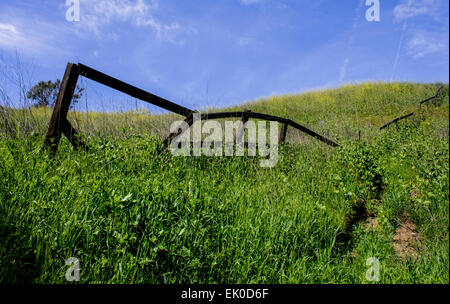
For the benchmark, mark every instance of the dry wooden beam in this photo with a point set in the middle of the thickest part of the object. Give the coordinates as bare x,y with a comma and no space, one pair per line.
283,132
255,115
396,120
219,115
219,143
61,108
132,90
432,97
412,113
73,136
189,120
240,132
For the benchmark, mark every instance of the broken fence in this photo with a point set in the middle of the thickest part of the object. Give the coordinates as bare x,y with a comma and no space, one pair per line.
60,125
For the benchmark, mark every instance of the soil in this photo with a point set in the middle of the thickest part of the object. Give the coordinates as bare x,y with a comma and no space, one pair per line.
406,240
371,223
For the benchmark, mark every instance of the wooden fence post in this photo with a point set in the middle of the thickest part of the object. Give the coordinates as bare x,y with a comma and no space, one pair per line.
73,136
189,120
283,132
240,132
58,121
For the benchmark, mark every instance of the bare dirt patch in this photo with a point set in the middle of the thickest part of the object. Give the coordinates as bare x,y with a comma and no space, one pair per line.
371,223
406,239
414,192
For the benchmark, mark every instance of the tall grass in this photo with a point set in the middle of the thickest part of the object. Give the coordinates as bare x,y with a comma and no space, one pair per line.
338,113
132,215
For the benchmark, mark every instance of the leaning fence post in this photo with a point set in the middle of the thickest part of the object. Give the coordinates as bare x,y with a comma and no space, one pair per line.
283,132
58,120
189,120
240,132
73,136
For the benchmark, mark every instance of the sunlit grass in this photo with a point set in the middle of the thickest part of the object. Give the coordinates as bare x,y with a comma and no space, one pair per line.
132,215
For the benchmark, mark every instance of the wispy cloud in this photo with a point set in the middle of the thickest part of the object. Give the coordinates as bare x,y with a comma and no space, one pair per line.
248,2
343,72
358,13
98,15
413,8
8,28
423,43
16,36
8,34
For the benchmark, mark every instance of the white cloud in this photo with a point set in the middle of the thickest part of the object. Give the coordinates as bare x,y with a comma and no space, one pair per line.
248,2
344,69
8,35
24,39
413,8
244,41
424,43
8,28
96,15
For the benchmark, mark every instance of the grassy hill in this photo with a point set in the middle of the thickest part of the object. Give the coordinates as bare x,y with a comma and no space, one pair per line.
131,215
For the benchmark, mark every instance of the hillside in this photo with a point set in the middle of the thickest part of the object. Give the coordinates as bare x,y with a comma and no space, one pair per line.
339,113
321,215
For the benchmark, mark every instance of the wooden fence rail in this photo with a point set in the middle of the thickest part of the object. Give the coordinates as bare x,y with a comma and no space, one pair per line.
396,120
132,90
284,121
438,92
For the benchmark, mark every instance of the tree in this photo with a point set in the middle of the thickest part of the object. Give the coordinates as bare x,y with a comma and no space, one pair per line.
44,94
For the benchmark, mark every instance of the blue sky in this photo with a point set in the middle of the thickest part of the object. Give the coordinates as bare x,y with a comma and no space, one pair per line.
224,52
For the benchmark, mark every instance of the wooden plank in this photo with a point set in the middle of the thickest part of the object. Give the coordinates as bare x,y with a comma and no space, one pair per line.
62,106
396,120
240,132
132,90
412,113
189,120
246,144
283,132
73,136
432,97
255,115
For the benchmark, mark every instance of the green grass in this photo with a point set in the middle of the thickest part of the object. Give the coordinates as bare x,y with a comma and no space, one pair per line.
131,215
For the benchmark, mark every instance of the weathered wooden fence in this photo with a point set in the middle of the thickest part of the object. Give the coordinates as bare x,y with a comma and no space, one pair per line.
438,92
60,125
